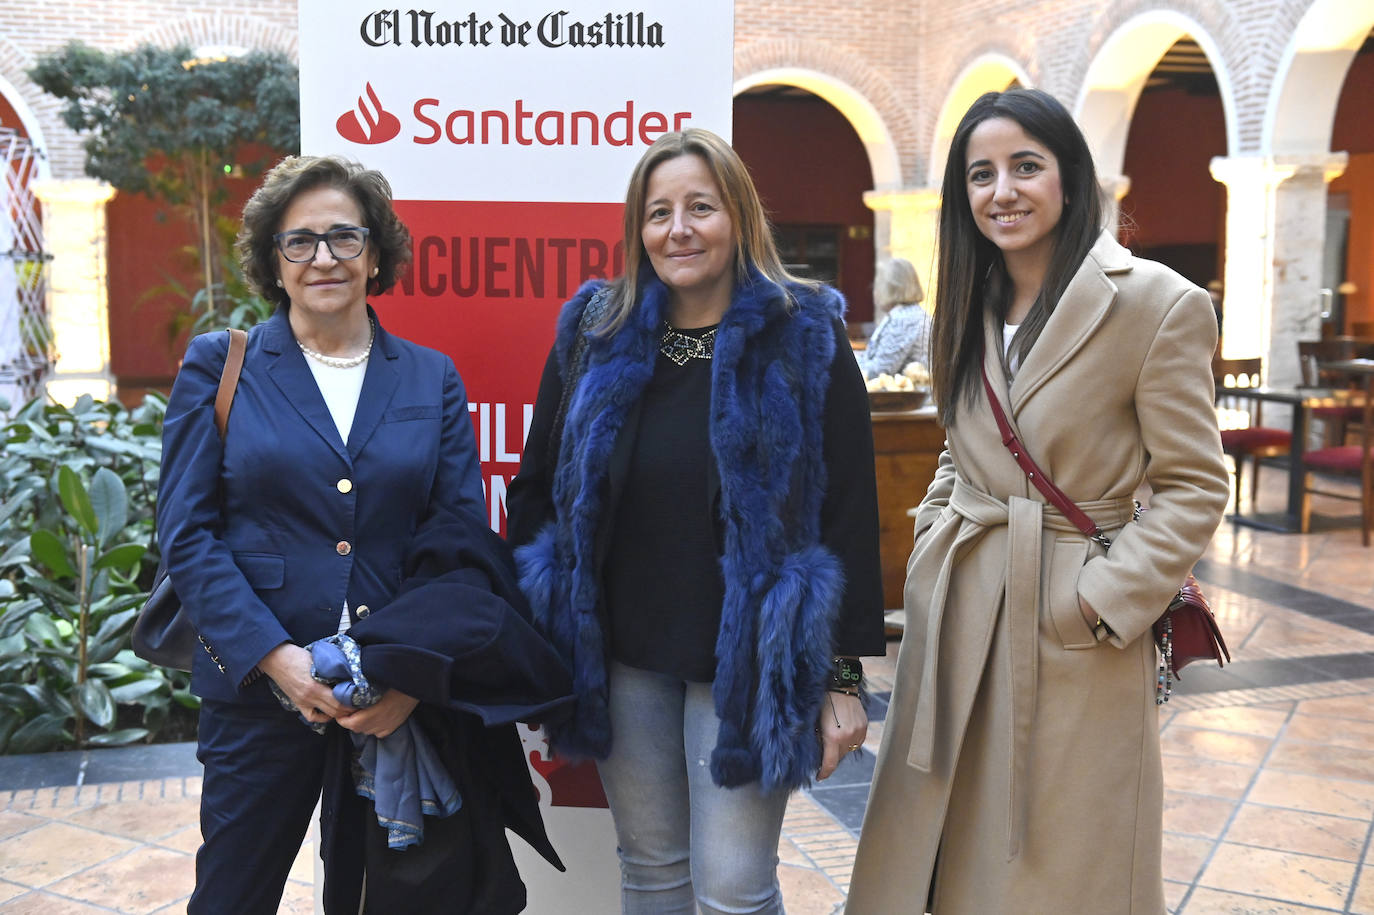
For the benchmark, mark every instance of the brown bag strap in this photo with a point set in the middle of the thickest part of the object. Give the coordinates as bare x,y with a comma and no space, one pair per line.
229,379
1039,479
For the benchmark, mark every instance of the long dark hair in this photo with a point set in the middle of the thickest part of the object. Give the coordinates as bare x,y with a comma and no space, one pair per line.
971,268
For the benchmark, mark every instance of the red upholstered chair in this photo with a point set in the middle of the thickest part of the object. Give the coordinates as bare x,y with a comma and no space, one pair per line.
1247,436
1349,460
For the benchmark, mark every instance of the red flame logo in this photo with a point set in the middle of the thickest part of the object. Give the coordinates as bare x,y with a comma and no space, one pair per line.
369,123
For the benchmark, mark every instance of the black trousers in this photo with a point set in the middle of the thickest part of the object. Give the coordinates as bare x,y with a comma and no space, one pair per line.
263,771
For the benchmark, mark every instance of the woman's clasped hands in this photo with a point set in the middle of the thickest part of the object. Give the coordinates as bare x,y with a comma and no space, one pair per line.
289,667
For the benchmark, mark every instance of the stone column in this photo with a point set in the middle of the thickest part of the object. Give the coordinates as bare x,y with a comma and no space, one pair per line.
74,234
1114,188
906,224
1275,234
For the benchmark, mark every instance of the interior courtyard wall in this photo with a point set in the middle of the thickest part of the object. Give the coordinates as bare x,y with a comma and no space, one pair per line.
902,58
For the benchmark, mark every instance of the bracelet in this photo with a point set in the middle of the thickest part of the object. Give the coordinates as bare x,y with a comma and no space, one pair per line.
1101,631
846,676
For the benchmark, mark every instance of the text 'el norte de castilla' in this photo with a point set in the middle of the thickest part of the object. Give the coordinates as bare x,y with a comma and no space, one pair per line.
556,29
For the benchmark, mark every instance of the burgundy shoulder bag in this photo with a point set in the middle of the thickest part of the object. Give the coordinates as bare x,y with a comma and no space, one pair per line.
1187,631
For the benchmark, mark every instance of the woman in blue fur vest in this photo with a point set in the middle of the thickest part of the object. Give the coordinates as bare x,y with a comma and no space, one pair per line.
697,531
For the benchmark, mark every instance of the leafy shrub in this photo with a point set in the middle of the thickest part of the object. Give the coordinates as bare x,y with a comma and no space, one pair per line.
77,492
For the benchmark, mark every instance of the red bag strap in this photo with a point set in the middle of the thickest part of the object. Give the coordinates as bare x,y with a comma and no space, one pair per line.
1039,479
229,379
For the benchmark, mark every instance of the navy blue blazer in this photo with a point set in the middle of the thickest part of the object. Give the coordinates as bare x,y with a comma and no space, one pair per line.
267,533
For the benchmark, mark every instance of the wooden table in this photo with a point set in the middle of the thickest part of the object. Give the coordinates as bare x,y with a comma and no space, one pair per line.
1301,400
906,451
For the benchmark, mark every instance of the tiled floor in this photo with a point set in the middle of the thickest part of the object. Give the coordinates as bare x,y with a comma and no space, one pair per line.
1269,768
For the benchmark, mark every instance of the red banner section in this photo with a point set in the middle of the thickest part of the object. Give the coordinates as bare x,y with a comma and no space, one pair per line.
484,286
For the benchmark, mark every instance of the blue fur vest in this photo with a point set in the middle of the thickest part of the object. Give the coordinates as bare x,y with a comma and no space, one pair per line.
770,372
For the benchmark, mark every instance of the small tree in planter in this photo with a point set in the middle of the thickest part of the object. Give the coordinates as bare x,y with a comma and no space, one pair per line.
162,122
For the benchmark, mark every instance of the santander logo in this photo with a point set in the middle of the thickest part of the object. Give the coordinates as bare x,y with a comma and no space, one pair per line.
369,123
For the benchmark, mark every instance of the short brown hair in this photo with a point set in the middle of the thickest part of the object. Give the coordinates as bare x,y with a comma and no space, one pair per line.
263,213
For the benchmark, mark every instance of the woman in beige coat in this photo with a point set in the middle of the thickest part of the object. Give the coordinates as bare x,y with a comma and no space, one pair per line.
1022,739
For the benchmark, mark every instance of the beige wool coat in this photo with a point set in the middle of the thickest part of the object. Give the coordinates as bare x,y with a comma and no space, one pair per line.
1017,745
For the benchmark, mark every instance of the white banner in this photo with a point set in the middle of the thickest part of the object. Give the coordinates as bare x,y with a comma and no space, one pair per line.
517,101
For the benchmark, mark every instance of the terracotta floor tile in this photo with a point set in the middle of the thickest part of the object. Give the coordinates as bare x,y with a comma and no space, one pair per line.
1363,903
186,839
1287,633
13,822
1341,797
1205,776
1340,732
1296,830
1174,893
40,903
1184,856
806,892
51,852
1316,759
142,820
1215,902
1196,815
1215,745
1259,722
1358,707
789,853
141,881
1286,876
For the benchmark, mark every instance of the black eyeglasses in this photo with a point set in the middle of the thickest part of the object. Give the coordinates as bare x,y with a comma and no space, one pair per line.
299,246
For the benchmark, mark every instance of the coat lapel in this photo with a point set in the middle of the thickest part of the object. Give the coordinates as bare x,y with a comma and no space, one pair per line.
291,375
379,384
1081,310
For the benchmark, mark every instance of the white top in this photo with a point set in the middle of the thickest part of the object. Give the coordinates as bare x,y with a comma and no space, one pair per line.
340,389
1008,332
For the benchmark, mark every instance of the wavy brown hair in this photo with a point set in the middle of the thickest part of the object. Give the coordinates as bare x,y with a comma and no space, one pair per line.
753,236
262,215
972,273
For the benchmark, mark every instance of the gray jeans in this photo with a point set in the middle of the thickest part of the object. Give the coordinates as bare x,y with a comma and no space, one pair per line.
684,841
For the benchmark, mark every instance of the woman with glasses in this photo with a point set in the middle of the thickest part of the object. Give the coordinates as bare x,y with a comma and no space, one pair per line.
348,464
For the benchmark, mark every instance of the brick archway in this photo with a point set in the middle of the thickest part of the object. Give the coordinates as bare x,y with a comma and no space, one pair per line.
988,72
868,103
34,108
1307,83
1117,73
219,29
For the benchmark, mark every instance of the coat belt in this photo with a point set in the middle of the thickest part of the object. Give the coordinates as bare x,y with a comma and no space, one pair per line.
1025,519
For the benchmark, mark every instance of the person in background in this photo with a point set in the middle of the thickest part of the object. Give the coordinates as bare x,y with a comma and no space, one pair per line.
348,474
903,335
696,527
1020,765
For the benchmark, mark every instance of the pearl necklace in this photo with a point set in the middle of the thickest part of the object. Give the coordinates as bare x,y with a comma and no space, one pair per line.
342,362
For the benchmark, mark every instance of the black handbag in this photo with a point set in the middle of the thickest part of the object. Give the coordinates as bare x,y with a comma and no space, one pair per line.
163,634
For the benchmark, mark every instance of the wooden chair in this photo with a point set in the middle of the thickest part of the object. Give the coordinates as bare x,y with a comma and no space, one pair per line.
1349,460
1247,437
1311,355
